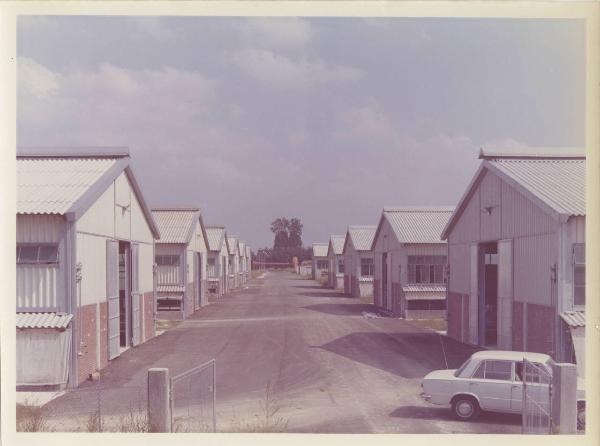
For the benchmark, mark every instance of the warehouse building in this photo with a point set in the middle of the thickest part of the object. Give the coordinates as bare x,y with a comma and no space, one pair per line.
217,260
358,260
85,255
516,254
320,263
336,261
242,263
410,262
180,257
234,262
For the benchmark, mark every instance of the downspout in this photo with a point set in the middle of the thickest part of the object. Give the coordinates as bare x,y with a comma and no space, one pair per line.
72,307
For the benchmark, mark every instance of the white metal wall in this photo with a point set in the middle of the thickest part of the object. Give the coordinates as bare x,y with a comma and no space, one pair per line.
166,274
37,286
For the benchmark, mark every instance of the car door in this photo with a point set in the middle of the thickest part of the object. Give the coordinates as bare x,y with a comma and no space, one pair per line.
537,386
492,384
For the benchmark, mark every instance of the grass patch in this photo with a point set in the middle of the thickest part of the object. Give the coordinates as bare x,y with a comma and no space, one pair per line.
438,324
32,418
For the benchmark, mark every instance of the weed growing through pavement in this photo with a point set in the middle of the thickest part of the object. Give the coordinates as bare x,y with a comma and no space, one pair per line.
31,418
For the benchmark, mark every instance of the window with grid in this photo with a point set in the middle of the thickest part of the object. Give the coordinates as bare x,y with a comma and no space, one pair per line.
579,274
426,269
341,266
42,254
167,260
322,264
366,267
211,267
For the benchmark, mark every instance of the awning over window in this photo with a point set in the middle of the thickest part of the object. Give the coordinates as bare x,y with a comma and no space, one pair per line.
576,322
59,321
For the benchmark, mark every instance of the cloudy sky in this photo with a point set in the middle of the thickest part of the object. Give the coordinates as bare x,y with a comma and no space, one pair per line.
327,119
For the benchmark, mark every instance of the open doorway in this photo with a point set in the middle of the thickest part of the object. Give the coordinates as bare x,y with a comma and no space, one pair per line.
384,280
488,296
124,294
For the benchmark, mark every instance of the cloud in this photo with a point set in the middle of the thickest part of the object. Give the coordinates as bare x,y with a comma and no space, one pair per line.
35,79
151,26
281,71
279,32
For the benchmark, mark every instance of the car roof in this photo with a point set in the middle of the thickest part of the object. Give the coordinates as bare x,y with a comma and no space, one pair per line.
511,355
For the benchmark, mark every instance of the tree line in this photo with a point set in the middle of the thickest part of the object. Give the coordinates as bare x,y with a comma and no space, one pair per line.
287,242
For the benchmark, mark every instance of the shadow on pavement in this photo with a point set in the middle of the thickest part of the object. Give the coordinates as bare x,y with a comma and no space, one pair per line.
323,294
342,309
410,355
445,414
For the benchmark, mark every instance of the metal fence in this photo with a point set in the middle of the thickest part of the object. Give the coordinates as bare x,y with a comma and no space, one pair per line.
193,399
92,407
537,399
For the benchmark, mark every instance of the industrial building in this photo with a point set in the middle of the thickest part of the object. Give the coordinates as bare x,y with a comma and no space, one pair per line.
217,260
358,260
233,266
85,255
180,256
410,262
516,255
320,263
336,261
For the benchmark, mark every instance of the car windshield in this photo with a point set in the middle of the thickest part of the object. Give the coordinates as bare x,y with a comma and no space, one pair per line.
461,368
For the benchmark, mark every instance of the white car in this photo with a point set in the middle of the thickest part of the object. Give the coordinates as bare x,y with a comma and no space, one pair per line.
490,380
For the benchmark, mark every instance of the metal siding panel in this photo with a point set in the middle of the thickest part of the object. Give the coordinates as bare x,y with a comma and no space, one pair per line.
466,228
460,268
490,189
140,230
135,295
533,257
122,208
99,218
91,253
474,295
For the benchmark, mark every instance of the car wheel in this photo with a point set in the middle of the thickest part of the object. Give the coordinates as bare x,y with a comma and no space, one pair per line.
465,408
581,415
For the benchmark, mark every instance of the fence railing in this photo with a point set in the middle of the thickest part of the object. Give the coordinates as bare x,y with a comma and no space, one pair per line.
193,399
537,399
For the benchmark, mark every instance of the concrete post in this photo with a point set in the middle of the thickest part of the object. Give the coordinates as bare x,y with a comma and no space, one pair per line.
159,400
564,398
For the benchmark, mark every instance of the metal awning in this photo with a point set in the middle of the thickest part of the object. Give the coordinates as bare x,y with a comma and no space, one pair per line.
576,322
59,321
170,288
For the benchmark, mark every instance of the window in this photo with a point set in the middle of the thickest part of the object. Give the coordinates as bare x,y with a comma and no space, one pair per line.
426,269
167,260
37,254
490,369
341,266
322,264
366,267
579,274
462,368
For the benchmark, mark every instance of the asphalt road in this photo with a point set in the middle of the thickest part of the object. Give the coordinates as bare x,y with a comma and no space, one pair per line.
329,366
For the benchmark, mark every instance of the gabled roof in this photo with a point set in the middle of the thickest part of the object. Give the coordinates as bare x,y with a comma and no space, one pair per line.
63,183
554,182
176,225
242,246
216,236
415,224
336,243
360,236
319,249
233,244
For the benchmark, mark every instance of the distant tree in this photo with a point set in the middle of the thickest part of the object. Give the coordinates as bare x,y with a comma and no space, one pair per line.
280,227
295,233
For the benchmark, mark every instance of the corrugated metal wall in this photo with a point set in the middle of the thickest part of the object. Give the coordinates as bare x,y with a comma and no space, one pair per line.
91,252
521,217
140,231
460,269
38,287
490,195
100,216
122,207
169,275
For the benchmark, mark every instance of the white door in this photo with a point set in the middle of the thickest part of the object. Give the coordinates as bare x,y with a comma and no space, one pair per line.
112,291
505,294
135,296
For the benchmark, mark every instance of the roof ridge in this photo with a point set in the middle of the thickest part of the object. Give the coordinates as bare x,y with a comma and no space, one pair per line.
362,226
418,208
50,152
174,209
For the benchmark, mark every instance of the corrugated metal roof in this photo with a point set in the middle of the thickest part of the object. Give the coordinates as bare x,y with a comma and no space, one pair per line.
574,318
424,288
43,320
175,225
53,185
337,243
215,236
418,224
233,241
320,249
170,288
559,183
362,236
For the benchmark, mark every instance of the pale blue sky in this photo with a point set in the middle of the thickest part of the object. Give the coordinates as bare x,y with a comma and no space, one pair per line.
327,119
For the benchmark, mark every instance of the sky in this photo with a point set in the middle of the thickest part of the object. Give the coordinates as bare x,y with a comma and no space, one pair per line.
325,119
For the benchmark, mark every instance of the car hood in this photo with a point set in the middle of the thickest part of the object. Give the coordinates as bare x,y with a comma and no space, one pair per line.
441,374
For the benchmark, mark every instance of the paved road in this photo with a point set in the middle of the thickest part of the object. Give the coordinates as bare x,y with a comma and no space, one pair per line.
330,367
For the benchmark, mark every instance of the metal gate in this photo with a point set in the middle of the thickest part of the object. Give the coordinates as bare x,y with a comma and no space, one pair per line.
537,399
193,399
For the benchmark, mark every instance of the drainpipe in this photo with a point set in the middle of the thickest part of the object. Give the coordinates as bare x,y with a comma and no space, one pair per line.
71,289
